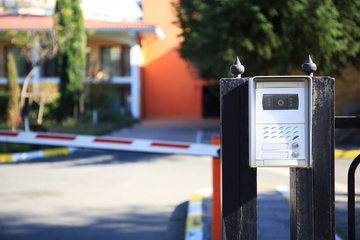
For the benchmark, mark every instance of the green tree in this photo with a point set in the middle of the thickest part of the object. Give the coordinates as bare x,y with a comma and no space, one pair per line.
13,114
272,36
72,57
37,46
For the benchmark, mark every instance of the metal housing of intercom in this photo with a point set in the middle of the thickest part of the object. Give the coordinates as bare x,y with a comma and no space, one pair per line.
280,123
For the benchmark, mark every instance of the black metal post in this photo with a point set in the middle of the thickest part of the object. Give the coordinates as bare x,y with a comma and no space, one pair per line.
239,181
351,198
312,189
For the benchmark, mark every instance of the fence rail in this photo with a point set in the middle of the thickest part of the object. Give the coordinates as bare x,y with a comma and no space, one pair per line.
351,198
342,122
347,122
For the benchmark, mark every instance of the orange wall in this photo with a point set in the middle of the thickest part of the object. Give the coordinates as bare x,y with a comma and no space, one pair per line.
170,84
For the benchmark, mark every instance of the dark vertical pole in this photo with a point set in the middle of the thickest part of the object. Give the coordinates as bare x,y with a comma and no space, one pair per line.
301,204
323,157
312,189
239,192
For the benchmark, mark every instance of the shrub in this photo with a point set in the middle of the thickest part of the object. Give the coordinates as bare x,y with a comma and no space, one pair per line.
4,99
12,113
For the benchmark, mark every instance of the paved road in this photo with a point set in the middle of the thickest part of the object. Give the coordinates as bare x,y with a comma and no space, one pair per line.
280,176
120,195
111,195
97,195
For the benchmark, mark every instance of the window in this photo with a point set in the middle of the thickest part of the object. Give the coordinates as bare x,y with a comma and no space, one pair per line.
49,68
22,66
115,61
122,99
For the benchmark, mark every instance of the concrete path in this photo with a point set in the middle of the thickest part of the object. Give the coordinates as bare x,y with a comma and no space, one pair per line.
273,215
174,129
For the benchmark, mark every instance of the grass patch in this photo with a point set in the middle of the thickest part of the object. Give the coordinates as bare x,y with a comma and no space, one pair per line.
108,122
87,128
17,147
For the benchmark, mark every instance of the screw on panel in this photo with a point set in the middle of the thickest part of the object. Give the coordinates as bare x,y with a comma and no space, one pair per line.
237,69
309,67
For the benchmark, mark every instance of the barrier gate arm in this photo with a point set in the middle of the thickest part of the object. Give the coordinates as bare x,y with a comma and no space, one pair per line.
109,143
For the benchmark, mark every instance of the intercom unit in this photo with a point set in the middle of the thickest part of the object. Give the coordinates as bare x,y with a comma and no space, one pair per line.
280,115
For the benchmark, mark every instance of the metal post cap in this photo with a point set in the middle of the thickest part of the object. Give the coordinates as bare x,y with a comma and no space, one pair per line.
309,67
237,68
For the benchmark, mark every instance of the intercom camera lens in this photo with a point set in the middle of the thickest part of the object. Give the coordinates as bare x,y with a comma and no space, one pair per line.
281,102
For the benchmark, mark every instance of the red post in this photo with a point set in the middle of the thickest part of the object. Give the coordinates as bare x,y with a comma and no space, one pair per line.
216,199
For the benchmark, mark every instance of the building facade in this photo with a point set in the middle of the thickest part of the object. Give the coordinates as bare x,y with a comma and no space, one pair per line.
115,54
141,59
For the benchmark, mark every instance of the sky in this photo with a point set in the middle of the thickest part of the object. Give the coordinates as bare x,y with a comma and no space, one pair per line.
114,8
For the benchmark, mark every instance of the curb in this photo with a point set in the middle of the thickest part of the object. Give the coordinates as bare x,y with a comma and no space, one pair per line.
346,153
17,157
194,222
24,156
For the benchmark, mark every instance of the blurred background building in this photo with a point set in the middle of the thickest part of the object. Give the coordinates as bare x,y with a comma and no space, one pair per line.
129,48
135,46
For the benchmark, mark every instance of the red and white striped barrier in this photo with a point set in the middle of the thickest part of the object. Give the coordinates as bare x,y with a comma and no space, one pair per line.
109,143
